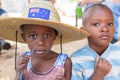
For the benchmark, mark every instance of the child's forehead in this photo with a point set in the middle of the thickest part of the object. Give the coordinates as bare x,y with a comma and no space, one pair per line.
96,11
31,26
97,8
36,28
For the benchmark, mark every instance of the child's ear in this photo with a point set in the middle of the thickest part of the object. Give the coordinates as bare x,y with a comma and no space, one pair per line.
23,36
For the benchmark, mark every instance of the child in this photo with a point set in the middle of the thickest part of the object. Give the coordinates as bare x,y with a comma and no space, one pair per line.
40,28
99,60
114,5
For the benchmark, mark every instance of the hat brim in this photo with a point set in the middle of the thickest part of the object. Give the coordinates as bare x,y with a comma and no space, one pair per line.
8,27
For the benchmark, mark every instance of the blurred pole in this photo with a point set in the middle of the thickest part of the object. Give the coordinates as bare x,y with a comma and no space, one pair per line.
78,13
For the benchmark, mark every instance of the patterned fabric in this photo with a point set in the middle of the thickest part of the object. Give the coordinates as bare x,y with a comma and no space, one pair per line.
83,63
55,70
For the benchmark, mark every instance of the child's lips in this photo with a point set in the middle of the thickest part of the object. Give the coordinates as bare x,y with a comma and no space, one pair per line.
104,36
40,51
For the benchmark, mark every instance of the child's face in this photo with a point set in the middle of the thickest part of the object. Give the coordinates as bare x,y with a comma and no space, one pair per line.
100,26
39,38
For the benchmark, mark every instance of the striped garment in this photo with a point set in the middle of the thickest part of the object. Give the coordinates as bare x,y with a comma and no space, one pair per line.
83,63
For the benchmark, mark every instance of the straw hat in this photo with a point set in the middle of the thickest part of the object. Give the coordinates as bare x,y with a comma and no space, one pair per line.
40,12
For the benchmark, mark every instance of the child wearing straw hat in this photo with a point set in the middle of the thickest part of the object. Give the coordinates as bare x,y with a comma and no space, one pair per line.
40,28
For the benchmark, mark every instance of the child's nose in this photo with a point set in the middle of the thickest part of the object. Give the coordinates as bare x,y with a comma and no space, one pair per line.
41,41
104,28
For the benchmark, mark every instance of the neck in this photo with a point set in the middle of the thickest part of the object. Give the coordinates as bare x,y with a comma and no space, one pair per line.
98,49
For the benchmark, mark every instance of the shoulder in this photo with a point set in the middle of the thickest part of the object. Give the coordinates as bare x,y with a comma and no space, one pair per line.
83,55
79,52
68,61
65,59
115,47
68,64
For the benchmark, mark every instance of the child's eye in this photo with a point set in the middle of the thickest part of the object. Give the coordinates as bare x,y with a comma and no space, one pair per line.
110,24
47,35
33,36
96,24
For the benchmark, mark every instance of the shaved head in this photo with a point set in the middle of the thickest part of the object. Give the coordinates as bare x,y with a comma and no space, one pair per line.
90,10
